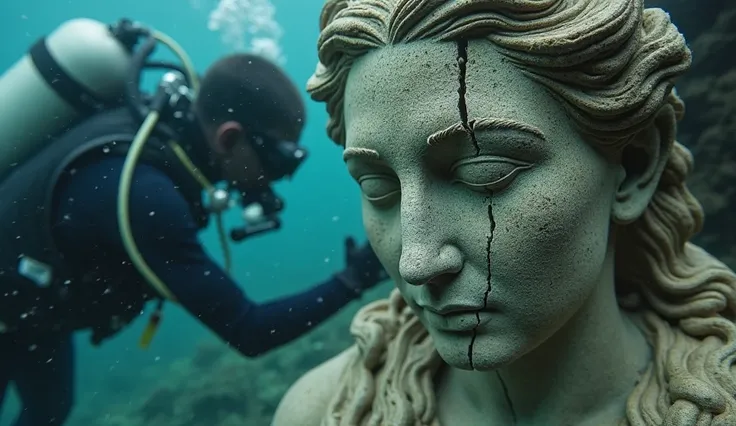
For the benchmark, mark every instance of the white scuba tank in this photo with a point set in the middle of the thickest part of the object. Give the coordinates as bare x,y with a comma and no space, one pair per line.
65,76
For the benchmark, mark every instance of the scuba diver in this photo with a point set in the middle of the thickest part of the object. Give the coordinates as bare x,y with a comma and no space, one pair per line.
101,201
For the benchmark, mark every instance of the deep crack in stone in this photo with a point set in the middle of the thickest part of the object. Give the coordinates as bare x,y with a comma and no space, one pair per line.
462,61
508,398
489,240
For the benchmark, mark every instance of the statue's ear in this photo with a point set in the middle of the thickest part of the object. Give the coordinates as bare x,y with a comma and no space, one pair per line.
642,163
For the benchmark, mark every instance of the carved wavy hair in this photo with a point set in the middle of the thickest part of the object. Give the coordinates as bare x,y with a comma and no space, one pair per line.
611,65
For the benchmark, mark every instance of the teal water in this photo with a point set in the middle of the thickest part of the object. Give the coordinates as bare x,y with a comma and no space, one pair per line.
322,204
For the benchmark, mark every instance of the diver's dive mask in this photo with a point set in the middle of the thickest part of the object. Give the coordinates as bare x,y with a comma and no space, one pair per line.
279,159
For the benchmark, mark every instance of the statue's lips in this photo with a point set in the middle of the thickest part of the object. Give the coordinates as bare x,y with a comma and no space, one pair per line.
459,320
451,309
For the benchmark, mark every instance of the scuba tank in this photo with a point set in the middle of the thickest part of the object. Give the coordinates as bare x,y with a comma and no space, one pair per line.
82,68
75,71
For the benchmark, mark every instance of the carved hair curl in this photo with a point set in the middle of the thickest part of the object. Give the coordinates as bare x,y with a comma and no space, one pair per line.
611,65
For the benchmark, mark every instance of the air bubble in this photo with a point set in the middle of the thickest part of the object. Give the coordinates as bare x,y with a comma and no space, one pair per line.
248,25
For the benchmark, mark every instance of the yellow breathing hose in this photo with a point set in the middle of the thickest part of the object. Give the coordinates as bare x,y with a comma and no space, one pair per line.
182,155
131,159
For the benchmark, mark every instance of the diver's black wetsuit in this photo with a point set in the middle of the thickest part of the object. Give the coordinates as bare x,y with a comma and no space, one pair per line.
85,229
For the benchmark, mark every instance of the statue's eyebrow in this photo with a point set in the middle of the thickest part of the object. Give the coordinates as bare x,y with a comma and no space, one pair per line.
457,129
453,132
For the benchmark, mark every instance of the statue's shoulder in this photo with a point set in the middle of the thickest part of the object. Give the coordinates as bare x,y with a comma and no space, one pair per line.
306,401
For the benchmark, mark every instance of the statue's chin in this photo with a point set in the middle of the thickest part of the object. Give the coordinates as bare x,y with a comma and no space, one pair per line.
486,355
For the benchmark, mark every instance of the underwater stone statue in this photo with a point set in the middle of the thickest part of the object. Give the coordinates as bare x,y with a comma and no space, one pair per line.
523,187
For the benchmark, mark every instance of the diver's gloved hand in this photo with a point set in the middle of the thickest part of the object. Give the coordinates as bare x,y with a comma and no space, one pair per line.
363,270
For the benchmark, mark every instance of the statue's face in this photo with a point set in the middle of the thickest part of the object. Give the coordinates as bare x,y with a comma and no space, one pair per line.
429,209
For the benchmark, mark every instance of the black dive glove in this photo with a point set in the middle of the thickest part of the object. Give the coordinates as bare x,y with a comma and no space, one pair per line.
363,270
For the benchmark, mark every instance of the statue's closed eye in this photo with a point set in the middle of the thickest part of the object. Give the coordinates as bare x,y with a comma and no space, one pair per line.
487,173
484,173
379,189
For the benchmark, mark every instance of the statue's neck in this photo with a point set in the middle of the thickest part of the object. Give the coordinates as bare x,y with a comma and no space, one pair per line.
582,375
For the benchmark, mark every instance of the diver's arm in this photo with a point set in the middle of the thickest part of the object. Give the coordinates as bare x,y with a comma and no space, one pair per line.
167,238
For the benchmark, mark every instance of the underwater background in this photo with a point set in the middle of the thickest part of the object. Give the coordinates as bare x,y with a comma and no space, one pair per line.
188,377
